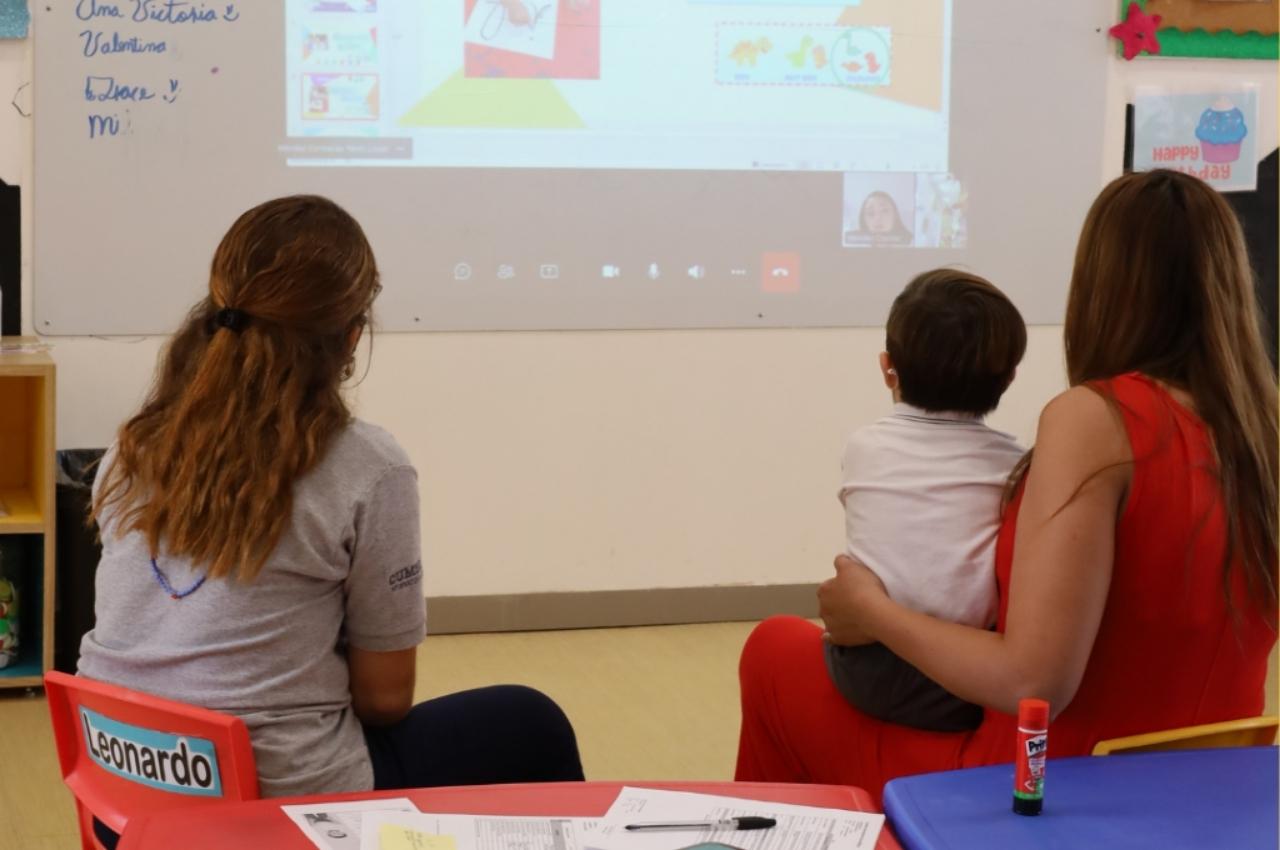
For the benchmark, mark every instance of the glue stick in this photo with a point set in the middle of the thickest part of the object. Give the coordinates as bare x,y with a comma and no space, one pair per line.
1033,744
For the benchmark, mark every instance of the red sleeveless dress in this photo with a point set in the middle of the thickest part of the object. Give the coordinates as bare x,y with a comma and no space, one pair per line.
1170,651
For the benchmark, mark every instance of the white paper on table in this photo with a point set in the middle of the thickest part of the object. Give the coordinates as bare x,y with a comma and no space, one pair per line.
521,26
476,832
336,826
798,828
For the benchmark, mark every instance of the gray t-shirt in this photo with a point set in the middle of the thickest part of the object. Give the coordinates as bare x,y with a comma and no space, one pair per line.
347,570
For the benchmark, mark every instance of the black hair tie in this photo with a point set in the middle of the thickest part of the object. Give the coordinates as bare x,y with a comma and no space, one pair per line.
231,319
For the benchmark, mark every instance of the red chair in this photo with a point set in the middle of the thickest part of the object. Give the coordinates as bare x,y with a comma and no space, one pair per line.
124,753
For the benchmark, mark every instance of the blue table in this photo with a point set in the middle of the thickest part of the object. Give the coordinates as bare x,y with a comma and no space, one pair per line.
1194,799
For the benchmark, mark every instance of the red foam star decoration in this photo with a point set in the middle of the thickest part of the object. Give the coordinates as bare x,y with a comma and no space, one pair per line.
1138,32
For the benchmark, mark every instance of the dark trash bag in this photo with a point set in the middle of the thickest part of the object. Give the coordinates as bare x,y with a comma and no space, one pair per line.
78,552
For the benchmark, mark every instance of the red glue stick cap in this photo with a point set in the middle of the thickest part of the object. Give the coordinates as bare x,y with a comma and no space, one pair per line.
1033,714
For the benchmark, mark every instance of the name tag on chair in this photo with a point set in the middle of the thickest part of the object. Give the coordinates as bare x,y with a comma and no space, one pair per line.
174,763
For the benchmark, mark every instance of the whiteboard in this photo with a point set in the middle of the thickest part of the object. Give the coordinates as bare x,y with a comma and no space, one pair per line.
152,135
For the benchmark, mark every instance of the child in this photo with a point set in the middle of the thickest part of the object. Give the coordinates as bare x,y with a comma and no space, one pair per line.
879,223
922,487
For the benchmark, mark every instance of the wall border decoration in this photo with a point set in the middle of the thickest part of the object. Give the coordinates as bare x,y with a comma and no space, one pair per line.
1215,30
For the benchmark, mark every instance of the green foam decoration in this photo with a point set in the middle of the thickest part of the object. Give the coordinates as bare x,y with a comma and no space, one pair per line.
1211,45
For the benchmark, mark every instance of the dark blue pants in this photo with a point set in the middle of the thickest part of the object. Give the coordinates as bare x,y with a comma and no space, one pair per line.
504,733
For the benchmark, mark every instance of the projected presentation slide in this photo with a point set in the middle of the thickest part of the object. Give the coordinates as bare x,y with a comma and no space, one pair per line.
806,85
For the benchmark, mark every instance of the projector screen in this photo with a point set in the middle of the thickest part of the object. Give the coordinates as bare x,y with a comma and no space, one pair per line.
523,164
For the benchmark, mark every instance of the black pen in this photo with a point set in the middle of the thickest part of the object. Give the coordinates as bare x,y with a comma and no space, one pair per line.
727,823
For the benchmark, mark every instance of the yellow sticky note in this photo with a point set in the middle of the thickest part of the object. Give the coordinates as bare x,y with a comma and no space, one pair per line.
394,837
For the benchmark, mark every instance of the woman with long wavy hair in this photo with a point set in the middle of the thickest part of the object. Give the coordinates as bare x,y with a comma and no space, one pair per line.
261,546
1136,562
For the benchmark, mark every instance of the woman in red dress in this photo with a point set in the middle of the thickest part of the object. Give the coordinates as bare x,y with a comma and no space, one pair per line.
1136,561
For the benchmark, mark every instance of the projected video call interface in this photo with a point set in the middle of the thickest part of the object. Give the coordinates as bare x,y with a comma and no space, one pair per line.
858,91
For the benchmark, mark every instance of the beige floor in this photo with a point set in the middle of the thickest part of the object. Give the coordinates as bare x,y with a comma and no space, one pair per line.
647,703
652,703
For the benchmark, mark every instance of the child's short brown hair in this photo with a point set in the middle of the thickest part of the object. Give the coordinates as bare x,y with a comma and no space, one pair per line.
955,341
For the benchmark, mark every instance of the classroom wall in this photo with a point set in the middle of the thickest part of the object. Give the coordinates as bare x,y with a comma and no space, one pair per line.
607,460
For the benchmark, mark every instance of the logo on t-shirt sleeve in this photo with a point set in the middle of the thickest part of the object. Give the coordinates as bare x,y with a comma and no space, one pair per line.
407,577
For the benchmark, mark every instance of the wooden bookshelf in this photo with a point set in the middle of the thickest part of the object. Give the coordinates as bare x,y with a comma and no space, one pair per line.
27,384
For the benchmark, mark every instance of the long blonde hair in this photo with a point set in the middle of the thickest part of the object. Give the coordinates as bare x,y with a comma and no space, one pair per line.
1162,286
247,393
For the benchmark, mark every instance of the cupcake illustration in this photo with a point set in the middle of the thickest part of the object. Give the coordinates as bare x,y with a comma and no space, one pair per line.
1221,130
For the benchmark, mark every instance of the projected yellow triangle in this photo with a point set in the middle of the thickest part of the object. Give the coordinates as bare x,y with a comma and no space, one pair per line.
917,32
493,102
